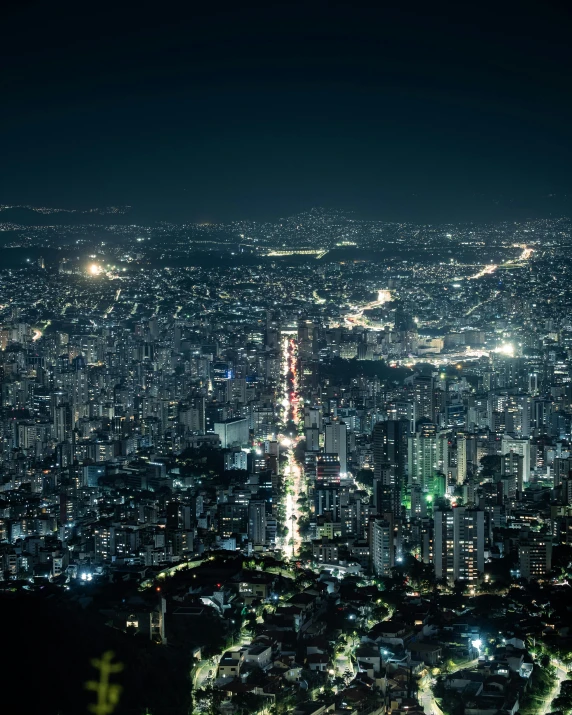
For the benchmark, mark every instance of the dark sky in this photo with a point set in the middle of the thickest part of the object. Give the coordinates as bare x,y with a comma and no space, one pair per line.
264,109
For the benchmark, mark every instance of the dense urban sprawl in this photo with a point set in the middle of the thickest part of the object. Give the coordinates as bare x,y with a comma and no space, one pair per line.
311,466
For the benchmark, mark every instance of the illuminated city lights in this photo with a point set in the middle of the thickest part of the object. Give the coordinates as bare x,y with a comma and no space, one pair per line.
293,432
288,420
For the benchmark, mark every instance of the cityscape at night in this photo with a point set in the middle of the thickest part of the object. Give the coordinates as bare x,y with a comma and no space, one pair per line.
285,362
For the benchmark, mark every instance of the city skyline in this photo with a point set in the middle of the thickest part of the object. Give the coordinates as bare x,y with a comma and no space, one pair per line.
288,457
285,359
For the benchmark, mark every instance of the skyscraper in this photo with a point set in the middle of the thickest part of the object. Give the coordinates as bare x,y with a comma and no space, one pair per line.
336,442
469,543
461,458
428,453
512,467
257,522
382,548
521,447
459,544
423,387
389,464
443,544
535,554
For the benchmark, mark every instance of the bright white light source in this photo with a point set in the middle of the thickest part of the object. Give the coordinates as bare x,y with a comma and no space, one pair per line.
505,349
477,644
94,269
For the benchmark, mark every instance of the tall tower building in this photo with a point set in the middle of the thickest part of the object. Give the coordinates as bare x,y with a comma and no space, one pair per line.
257,522
469,536
524,404
443,544
389,464
461,458
382,547
336,442
385,491
427,454
512,468
535,554
459,544
423,388
390,444
521,447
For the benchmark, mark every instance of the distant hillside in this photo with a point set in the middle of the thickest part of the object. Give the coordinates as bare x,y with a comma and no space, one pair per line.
30,216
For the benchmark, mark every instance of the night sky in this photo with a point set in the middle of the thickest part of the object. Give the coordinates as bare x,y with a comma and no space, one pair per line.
268,109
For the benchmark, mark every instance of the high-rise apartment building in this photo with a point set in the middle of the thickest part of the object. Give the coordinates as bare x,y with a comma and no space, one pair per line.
443,544
461,458
521,447
336,442
459,544
389,464
428,454
535,554
382,548
423,387
469,548
257,522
